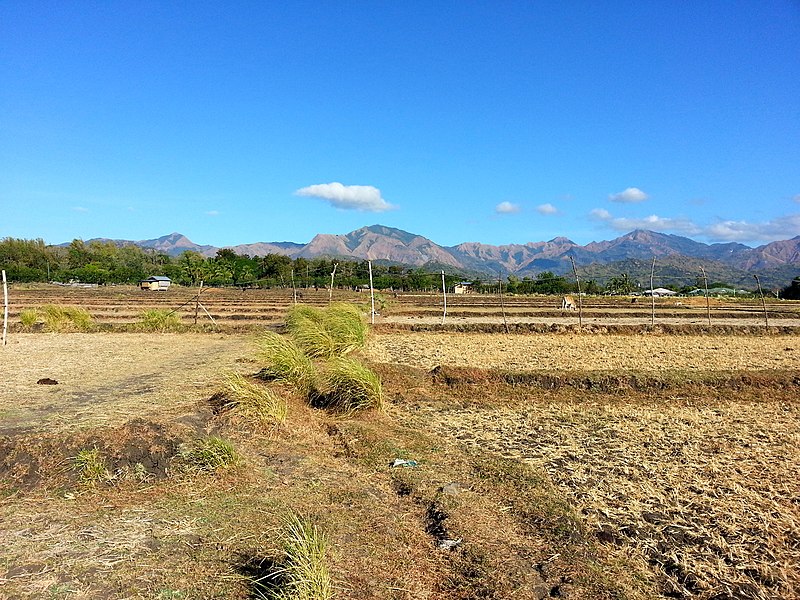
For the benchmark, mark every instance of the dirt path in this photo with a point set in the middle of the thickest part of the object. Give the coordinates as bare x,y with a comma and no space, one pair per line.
584,352
107,379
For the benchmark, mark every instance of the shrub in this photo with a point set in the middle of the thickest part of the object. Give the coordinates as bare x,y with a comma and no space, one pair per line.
251,401
91,466
66,318
210,455
348,385
304,573
283,360
28,317
324,333
160,320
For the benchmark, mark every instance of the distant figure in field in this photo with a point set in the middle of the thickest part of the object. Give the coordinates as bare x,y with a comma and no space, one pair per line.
568,303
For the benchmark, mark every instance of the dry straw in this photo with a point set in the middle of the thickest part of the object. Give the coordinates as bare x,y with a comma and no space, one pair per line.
253,402
348,385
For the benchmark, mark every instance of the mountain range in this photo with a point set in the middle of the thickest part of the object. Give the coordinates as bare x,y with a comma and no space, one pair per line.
389,245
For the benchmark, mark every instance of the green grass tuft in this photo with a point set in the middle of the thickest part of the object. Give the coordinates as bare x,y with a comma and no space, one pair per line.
283,360
210,455
91,466
160,320
28,317
348,385
254,402
304,574
66,318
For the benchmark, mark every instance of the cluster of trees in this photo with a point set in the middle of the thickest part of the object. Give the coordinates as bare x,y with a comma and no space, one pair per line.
107,263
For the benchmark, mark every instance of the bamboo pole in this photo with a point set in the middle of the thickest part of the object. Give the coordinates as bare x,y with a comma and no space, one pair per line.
444,296
580,298
371,292
652,294
502,302
197,303
330,291
294,290
5,309
708,303
763,302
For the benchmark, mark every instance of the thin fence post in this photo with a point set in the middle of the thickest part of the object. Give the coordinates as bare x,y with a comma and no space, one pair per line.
371,292
580,298
708,303
763,302
444,296
652,294
502,302
330,291
197,303
294,290
5,309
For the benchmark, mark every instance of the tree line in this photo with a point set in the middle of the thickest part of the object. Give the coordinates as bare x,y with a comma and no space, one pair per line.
103,263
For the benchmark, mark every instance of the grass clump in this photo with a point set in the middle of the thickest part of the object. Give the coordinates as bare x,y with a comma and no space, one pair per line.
254,402
91,466
28,317
324,333
209,455
160,321
304,572
348,385
283,360
66,318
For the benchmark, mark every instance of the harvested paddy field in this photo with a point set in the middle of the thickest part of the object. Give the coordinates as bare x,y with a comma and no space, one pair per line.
539,465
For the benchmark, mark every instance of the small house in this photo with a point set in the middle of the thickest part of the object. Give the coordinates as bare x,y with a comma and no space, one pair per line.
157,282
463,287
660,293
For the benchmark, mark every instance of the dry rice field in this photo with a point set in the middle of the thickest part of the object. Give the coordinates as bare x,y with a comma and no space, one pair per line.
601,465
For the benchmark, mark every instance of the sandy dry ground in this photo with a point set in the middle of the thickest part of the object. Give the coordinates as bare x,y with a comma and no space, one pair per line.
586,352
609,319
107,379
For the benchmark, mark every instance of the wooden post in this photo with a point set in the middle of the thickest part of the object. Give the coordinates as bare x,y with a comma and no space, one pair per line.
708,303
197,302
5,308
502,302
294,290
652,295
330,292
580,298
371,292
444,295
763,302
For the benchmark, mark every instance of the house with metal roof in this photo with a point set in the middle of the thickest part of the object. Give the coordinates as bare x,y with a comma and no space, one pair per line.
156,282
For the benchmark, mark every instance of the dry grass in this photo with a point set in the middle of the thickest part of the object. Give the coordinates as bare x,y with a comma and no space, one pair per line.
254,403
283,360
347,385
65,318
324,333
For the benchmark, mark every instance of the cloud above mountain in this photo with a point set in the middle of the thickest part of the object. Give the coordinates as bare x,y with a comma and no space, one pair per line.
507,208
784,227
629,195
348,197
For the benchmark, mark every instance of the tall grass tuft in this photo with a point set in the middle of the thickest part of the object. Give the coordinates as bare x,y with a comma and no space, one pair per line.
323,333
66,318
347,385
28,317
254,402
304,572
159,320
283,360
210,455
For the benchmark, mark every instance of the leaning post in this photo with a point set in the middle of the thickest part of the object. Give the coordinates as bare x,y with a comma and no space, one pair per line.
580,298
763,302
5,308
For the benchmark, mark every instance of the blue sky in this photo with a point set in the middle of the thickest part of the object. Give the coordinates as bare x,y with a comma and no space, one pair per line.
499,121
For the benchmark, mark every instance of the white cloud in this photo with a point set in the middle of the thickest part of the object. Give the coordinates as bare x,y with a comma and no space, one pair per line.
80,209
600,213
629,195
507,208
780,228
212,213
546,209
796,198
348,197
